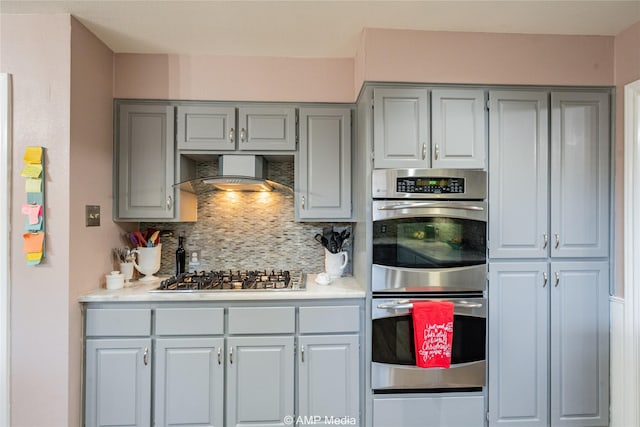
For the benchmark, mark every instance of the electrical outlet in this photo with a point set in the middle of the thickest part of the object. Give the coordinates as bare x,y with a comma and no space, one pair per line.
92,215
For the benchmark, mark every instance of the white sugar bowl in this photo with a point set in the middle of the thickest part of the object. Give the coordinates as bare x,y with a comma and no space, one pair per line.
115,280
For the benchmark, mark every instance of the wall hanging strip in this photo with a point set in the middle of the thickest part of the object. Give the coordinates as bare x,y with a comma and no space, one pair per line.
34,225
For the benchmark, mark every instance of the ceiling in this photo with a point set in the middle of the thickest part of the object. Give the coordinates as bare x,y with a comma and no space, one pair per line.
312,28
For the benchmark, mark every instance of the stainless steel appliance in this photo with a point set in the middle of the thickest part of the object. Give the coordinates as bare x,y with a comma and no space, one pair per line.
232,280
429,243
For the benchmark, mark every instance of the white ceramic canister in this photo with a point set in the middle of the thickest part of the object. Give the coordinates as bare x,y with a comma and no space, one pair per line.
115,280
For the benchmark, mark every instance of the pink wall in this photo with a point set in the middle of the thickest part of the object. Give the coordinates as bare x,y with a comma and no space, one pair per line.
36,50
91,171
454,57
233,78
627,70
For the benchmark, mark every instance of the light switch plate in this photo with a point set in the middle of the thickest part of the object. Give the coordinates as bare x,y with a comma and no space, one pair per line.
92,215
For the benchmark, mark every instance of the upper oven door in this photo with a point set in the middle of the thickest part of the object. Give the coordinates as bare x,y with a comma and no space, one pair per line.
429,234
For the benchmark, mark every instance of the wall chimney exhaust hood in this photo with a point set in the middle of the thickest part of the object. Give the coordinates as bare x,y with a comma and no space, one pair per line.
241,172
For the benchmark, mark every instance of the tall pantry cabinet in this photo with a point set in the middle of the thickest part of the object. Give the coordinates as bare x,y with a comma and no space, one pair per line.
549,201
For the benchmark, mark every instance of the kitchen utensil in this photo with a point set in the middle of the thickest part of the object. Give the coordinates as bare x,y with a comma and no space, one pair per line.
134,239
322,240
141,240
155,237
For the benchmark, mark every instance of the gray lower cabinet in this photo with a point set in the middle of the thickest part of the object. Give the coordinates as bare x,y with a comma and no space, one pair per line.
323,169
549,344
118,382
329,364
189,382
260,380
118,367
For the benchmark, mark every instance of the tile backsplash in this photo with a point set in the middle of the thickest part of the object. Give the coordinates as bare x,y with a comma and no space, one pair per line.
247,230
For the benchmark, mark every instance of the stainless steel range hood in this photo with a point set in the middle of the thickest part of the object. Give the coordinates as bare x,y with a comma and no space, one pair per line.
241,172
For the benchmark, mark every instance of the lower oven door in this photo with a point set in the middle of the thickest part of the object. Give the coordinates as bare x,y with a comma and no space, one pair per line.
393,350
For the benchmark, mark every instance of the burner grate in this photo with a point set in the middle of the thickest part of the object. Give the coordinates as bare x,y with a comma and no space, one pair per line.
232,280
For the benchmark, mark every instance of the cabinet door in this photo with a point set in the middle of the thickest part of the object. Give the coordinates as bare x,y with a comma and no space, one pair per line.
201,127
458,128
324,164
401,128
580,344
267,128
580,174
118,382
189,382
518,174
518,344
328,384
145,168
259,380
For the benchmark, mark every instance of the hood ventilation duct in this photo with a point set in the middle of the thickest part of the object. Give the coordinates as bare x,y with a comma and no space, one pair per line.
239,172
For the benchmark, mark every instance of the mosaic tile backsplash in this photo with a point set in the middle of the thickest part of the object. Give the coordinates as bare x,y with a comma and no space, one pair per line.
247,230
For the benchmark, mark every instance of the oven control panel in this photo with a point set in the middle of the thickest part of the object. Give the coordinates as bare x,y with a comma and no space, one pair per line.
428,185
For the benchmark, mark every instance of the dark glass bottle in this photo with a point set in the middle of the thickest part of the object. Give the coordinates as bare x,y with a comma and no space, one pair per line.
180,256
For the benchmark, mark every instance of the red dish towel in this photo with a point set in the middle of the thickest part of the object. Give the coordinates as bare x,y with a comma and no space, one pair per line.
433,333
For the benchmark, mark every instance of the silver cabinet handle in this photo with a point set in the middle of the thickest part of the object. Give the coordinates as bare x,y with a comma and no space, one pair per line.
557,240
302,201
145,358
546,241
557,279
405,304
231,355
231,135
302,352
436,152
424,151
545,279
169,202
243,134
219,355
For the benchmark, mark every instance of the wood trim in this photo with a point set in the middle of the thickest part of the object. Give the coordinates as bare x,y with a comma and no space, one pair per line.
631,362
5,244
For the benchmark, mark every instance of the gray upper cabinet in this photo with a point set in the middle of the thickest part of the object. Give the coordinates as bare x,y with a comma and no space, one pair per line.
213,127
401,128
201,127
458,128
577,175
260,380
580,174
267,128
518,174
145,163
189,381
323,169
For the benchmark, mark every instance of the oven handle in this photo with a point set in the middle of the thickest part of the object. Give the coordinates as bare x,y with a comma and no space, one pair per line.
406,304
417,205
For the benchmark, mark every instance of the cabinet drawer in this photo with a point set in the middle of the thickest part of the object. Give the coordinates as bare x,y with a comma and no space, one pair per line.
261,320
189,321
454,411
118,322
329,319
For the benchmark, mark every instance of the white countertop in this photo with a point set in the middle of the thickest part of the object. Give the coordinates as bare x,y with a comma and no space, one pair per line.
137,291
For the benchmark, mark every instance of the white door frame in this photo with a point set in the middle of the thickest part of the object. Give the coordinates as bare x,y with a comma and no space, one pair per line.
5,245
631,357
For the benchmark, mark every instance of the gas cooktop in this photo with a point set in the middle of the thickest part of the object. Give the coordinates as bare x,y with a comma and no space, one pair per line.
233,280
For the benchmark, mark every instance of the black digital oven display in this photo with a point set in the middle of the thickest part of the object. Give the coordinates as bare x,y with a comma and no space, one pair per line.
428,185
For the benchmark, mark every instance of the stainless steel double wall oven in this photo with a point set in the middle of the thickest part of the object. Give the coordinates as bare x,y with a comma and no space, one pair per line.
429,243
